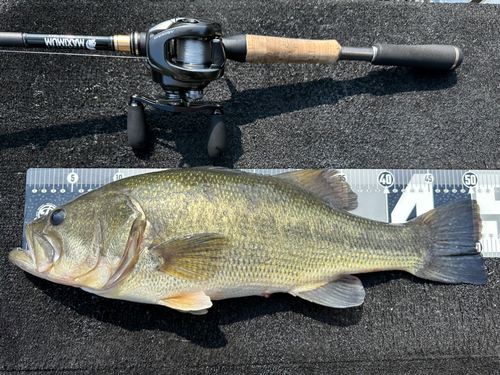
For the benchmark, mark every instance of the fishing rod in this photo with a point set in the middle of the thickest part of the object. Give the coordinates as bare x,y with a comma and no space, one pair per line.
186,54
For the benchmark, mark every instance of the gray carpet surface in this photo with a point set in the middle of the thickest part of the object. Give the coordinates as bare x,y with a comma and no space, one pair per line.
62,111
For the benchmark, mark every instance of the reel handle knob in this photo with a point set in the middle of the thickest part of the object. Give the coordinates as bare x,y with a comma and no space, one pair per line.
217,137
137,130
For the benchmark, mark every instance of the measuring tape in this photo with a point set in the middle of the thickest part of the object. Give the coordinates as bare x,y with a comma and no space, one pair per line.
389,195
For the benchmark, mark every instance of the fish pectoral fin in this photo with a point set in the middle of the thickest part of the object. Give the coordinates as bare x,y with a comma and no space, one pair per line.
196,257
346,291
194,303
328,184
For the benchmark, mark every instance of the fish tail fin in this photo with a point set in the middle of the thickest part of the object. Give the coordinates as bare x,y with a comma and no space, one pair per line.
453,231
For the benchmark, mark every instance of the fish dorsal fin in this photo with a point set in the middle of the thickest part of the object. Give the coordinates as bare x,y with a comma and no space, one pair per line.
328,184
195,257
346,291
195,303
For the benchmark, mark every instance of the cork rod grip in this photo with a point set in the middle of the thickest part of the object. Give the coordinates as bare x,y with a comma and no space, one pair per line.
266,49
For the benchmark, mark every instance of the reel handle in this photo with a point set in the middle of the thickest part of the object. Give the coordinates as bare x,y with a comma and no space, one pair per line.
263,49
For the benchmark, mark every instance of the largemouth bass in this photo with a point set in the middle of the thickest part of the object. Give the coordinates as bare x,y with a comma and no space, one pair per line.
182,238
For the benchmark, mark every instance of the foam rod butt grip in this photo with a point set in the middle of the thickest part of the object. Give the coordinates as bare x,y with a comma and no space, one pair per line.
267,49
435,57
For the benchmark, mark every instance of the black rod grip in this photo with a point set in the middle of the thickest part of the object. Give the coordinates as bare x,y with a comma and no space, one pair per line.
11,39
436,57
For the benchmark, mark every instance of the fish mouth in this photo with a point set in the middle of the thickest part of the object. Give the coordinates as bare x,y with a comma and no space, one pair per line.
43,251
39,246
23,259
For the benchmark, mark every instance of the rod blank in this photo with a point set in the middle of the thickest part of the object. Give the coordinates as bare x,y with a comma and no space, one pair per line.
8,39
357,53
26,40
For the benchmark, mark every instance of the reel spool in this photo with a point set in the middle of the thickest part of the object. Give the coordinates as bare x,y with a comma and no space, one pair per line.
192,53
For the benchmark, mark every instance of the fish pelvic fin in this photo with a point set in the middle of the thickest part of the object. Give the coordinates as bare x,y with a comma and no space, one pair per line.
452,232
194,303
195,257
328,184
346,291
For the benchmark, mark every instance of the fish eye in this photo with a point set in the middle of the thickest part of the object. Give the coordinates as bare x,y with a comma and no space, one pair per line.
57,217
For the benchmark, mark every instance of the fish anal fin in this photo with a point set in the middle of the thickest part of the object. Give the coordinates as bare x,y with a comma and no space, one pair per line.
328,184
195,303
196,257
346,291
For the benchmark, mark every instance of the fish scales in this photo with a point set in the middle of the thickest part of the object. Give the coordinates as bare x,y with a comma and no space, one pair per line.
182,238
282,236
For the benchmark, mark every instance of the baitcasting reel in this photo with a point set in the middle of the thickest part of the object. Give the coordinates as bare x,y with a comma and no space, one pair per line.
186,54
